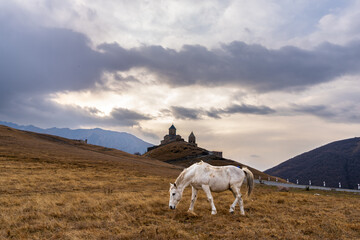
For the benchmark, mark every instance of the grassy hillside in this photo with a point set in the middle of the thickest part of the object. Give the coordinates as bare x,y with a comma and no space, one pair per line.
176,150
33,147
119,140
333,163
53,188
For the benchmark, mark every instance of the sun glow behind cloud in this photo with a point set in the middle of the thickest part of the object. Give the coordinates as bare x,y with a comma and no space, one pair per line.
141,92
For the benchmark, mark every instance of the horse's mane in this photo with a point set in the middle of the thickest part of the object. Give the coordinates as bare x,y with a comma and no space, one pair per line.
181,177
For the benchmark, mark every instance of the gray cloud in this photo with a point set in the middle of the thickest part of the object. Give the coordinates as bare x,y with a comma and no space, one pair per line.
330,113
43,59
186,113
126,117
239,64
34,110
213,113
316,110
240,108
251,66
248,109
198,113
37,61
42,113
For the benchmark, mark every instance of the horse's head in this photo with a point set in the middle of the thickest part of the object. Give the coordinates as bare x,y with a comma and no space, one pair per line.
175,196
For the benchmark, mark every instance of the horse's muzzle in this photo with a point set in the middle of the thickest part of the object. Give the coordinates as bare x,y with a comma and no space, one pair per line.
172,207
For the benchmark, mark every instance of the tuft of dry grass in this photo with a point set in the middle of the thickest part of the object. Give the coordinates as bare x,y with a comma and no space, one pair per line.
60,191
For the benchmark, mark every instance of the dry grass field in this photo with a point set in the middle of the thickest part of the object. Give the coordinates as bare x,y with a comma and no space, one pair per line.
52,188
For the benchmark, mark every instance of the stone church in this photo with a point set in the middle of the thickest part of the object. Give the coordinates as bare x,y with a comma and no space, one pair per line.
172,137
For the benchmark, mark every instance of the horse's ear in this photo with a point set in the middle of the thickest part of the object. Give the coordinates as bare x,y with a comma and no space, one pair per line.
171,184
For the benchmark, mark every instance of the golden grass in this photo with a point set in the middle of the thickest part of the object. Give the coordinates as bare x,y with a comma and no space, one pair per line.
72,194
56,201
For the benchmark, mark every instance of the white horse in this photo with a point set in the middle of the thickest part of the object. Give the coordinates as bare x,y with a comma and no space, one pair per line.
210,178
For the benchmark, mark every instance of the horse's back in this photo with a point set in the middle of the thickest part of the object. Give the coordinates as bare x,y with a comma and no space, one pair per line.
219,178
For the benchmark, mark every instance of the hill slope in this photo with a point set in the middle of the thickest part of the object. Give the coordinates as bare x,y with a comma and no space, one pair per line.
119,140
333,163
185,154
29,146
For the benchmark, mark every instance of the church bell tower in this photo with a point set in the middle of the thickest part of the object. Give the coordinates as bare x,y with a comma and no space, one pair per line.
192,138
172,130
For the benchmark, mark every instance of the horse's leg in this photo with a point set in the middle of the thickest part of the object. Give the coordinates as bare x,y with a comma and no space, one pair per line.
193,199
233,205
238,199
207,191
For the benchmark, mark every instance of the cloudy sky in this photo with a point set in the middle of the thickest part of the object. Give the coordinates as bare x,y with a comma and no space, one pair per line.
260,80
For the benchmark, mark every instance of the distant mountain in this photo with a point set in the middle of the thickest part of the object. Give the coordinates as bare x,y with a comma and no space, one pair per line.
333,163
111,139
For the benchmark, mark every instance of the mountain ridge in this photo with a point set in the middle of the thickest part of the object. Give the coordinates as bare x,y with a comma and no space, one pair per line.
336,162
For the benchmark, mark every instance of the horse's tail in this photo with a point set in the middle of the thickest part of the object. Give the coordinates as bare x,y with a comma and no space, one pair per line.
250,180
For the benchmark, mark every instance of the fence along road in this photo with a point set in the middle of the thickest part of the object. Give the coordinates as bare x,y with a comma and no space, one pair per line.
291,185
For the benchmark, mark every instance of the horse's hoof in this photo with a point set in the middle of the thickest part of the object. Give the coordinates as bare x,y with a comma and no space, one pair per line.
192,213
232,212
213,213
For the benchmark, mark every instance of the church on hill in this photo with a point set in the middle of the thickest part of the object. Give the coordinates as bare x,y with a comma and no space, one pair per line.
172,137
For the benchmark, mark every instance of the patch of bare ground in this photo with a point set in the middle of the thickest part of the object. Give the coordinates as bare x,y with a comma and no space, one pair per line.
61,191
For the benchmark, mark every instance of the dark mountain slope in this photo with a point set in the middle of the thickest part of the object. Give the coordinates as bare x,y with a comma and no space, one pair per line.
333,163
